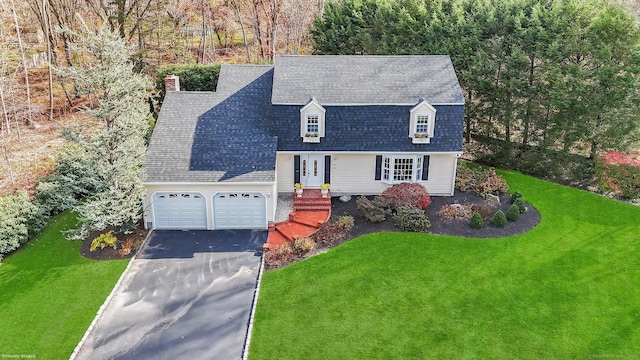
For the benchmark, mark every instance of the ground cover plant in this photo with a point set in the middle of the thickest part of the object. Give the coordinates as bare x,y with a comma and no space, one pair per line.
567,289
50,293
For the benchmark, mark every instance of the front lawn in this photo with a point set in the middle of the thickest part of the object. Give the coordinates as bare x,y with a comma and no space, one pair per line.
568,289
49,294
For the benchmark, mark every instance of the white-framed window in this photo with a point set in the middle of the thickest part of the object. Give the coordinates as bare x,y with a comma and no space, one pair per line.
313,123
401,168
423,122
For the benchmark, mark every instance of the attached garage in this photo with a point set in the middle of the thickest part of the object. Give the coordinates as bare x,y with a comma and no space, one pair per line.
239,210
180,210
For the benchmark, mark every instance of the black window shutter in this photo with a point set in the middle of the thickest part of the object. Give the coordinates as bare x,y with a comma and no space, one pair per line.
296,169
378,167
327,169
425,167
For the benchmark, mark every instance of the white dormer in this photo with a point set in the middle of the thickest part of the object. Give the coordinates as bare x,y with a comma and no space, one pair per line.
422,122
312,121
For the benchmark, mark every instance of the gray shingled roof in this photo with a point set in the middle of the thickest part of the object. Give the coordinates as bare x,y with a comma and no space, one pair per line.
214,137
359,80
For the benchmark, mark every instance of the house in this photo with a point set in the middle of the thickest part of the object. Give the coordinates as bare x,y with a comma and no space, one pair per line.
218,160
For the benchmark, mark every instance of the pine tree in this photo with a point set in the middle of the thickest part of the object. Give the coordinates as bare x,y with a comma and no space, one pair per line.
118,139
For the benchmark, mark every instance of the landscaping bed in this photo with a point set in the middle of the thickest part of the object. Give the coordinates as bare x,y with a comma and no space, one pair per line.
440,225
126,246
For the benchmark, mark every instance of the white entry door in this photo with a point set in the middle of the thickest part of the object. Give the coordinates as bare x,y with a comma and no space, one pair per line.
312,170
233,210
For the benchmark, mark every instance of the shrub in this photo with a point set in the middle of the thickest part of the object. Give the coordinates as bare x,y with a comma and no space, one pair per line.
513,213
484,210
303,245
279,256
499,219
104,240
522,206
344,223
619,173
515,196
74,178
454,211
333,231
18,221
411,218
374,210
476,220
128,247
479,179
494,185
407,194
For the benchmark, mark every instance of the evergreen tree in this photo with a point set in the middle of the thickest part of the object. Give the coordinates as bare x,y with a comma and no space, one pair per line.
116,142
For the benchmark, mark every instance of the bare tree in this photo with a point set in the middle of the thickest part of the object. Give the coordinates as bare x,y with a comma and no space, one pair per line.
24,61
236,10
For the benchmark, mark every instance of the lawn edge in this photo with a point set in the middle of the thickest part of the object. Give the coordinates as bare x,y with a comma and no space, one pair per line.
252,315
106,302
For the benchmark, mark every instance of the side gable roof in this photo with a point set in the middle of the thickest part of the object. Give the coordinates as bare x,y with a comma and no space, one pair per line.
365,80
215,137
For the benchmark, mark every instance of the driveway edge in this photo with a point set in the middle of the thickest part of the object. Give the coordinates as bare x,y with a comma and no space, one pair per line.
107,300
247,339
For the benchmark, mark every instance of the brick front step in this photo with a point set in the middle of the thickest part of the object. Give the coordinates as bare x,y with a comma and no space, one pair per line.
301,223
275,240
310,218
312,199
312,208
294,230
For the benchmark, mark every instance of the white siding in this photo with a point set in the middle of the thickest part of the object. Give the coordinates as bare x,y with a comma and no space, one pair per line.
355,174
209,190
284,173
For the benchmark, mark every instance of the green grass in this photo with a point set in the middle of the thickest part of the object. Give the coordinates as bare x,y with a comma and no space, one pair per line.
49,294
568,289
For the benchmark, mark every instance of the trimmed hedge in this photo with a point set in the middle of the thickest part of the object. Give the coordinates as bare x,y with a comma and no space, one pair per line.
193,77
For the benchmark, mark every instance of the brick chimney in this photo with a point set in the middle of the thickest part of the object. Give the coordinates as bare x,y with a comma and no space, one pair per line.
171,83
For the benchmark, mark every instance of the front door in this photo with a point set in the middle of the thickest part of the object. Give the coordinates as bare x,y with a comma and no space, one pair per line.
312,170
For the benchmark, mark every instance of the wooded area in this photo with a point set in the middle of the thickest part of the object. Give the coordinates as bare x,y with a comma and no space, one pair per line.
556,74
538,74
36,101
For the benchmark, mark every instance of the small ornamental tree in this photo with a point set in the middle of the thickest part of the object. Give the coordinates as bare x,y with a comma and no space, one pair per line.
499,219
513,213
476,221
407,194
619,173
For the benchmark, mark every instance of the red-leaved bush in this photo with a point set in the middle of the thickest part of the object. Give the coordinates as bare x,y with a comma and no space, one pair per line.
619,173
404,194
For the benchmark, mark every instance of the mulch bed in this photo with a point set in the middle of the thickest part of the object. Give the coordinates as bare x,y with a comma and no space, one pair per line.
108,253
439,225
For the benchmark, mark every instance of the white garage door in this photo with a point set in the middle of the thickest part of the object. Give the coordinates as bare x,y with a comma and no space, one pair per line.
180,210
239,211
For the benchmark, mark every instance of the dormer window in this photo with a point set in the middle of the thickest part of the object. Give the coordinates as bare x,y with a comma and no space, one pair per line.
422,123
312,122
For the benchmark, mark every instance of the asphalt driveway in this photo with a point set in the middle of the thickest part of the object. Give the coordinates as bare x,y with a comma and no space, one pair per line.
187,295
